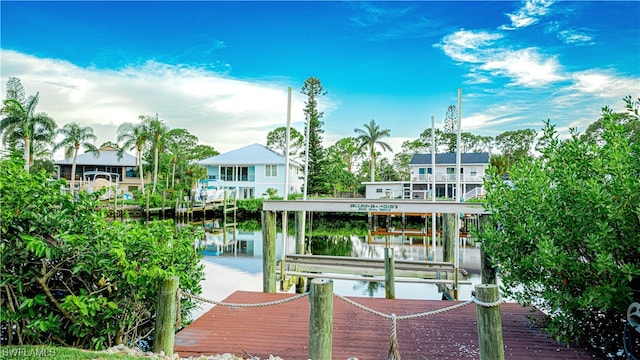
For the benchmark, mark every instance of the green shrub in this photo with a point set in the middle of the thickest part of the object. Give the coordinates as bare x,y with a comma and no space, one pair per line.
250,205
565,233
73,278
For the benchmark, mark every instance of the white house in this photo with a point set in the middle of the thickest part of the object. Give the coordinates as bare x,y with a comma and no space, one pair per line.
473,167
253,169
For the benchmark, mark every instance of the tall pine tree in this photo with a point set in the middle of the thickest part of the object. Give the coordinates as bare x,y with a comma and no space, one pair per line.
317,181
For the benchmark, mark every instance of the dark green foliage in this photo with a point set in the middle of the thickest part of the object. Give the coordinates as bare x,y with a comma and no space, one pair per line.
330,233
339,158
249,205
250,225
566,233
332,245
277,141
515,145
628,120
336,224
44,165
70,277
317,182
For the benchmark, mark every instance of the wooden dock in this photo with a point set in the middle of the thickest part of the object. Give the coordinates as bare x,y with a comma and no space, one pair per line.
282,330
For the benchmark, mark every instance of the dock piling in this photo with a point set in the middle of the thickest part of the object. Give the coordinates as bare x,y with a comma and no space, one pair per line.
269,252
389,274
448,250
164,334
321,319
490,339
300,249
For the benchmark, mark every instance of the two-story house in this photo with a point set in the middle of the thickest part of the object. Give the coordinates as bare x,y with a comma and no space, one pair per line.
252,170
473,167
119,168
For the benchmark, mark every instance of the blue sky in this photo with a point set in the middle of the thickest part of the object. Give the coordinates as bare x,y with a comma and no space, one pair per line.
222,69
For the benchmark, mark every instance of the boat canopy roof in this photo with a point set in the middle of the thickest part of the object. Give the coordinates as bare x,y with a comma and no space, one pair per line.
92,175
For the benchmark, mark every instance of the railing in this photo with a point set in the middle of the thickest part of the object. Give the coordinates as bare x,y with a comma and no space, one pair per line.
440,178
474,193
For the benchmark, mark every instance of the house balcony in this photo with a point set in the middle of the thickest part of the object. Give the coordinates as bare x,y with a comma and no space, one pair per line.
448,178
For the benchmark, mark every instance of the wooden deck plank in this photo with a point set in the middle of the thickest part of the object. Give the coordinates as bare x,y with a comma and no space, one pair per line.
282,330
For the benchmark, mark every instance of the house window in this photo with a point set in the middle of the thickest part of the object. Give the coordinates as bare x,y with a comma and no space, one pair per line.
422,173
243,173
271,170
451,173
379,190
226,173
473,172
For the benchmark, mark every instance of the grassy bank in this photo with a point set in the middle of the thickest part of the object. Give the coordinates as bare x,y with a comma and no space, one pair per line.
54,352
119,352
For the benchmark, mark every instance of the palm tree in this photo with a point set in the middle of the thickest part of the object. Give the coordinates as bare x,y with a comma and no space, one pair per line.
21,122
39,142
178,142
134,136
157,131
369,138
74,136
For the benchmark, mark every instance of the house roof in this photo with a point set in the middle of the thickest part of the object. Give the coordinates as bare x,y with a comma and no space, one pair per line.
108,156
450,159
249,155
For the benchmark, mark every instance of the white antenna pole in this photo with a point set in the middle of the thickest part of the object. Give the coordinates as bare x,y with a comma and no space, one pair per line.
287,150
458,197
285,216
433,186
458,141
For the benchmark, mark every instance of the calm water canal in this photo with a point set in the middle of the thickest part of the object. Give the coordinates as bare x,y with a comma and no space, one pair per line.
229,270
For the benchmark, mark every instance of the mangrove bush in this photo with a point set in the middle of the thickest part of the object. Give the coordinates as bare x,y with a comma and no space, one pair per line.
565,231
70,277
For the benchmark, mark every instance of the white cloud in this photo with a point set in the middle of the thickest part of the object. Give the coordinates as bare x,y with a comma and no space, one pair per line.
574,37
603,84
526,67
468,46
493,116
528,14
373,14
223,112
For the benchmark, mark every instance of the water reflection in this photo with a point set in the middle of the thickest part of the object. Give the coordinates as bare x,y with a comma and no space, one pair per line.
238,255
249,244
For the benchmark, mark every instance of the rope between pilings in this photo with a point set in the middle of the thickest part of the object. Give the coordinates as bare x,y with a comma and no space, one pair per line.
487,304
405,317
394,350
236,305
